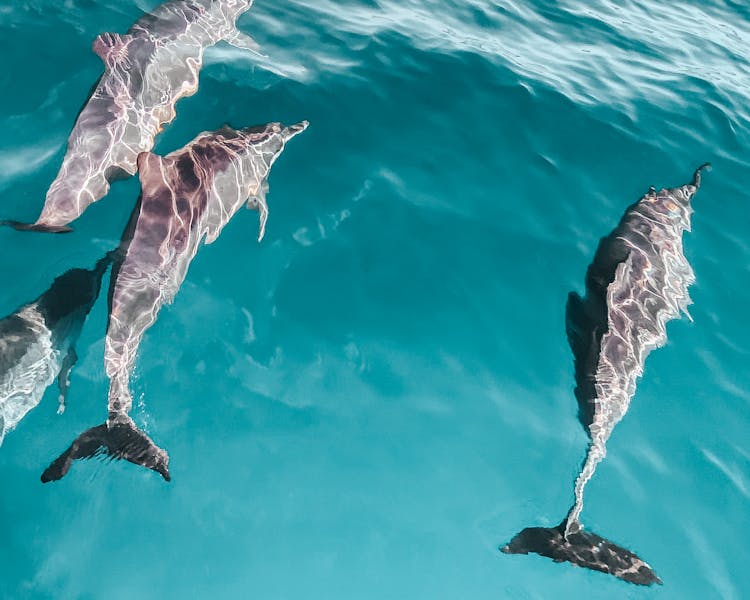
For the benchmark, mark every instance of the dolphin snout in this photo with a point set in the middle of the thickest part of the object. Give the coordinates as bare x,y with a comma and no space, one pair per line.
301,126
292,130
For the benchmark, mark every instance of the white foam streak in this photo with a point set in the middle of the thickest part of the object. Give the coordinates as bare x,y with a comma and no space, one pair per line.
732,472
23,161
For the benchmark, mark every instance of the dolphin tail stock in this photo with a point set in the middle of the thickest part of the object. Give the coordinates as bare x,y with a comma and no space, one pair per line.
21,226
584,549
119,438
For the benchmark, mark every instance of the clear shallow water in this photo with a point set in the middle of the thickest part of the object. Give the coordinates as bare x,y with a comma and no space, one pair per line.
373,399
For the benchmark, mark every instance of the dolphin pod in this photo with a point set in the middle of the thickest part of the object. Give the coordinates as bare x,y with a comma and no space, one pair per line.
37,342
637,282
188,196
146,71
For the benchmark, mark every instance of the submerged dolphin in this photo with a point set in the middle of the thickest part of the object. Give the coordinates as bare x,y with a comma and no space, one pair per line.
37,342
638,281
146,71
188,195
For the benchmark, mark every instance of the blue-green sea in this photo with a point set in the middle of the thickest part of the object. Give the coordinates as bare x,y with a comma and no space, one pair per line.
369,402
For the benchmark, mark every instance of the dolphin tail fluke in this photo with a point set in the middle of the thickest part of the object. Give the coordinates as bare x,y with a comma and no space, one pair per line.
119,440
584,549
20,226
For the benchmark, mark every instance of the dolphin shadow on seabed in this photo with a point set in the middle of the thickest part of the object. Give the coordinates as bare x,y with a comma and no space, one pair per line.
637,282
37,342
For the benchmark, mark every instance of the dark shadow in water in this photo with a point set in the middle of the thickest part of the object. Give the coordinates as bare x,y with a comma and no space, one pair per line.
586,320
39,339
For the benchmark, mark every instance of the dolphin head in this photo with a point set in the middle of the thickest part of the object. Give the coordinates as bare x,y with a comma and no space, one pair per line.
263,145
674,204
271,138
685,193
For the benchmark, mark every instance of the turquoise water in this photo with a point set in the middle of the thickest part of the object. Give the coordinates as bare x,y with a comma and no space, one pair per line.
369,402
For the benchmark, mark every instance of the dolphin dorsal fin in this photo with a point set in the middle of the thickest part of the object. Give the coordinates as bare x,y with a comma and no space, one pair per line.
107,43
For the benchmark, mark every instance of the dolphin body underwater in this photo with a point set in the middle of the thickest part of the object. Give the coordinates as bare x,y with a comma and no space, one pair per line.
188,195
146,71
637,282
37,342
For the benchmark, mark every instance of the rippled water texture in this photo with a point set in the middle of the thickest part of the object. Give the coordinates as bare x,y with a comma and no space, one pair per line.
369,402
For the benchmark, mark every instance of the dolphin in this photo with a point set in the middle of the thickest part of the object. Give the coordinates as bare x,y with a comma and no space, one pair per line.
187,198
146,71
37,343
637,282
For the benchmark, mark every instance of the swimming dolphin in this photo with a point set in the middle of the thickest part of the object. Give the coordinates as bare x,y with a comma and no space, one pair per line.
187,197
638,281
146,71
37,342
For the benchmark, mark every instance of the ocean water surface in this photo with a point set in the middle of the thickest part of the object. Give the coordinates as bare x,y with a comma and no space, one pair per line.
373,399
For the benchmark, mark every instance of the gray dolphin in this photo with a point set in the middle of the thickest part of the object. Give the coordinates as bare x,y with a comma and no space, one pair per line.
187,197
37,342
637,283
146,71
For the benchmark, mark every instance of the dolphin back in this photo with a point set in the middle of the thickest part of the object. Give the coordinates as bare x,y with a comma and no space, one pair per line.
584,549
637,282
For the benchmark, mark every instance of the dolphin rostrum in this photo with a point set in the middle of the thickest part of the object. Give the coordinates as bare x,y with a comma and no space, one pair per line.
187,196
637,283
146,71
37,342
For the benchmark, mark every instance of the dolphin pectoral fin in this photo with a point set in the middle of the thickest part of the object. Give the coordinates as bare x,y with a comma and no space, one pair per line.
63,379
120,439
244,42
263,217
584,549
20,226
258,201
